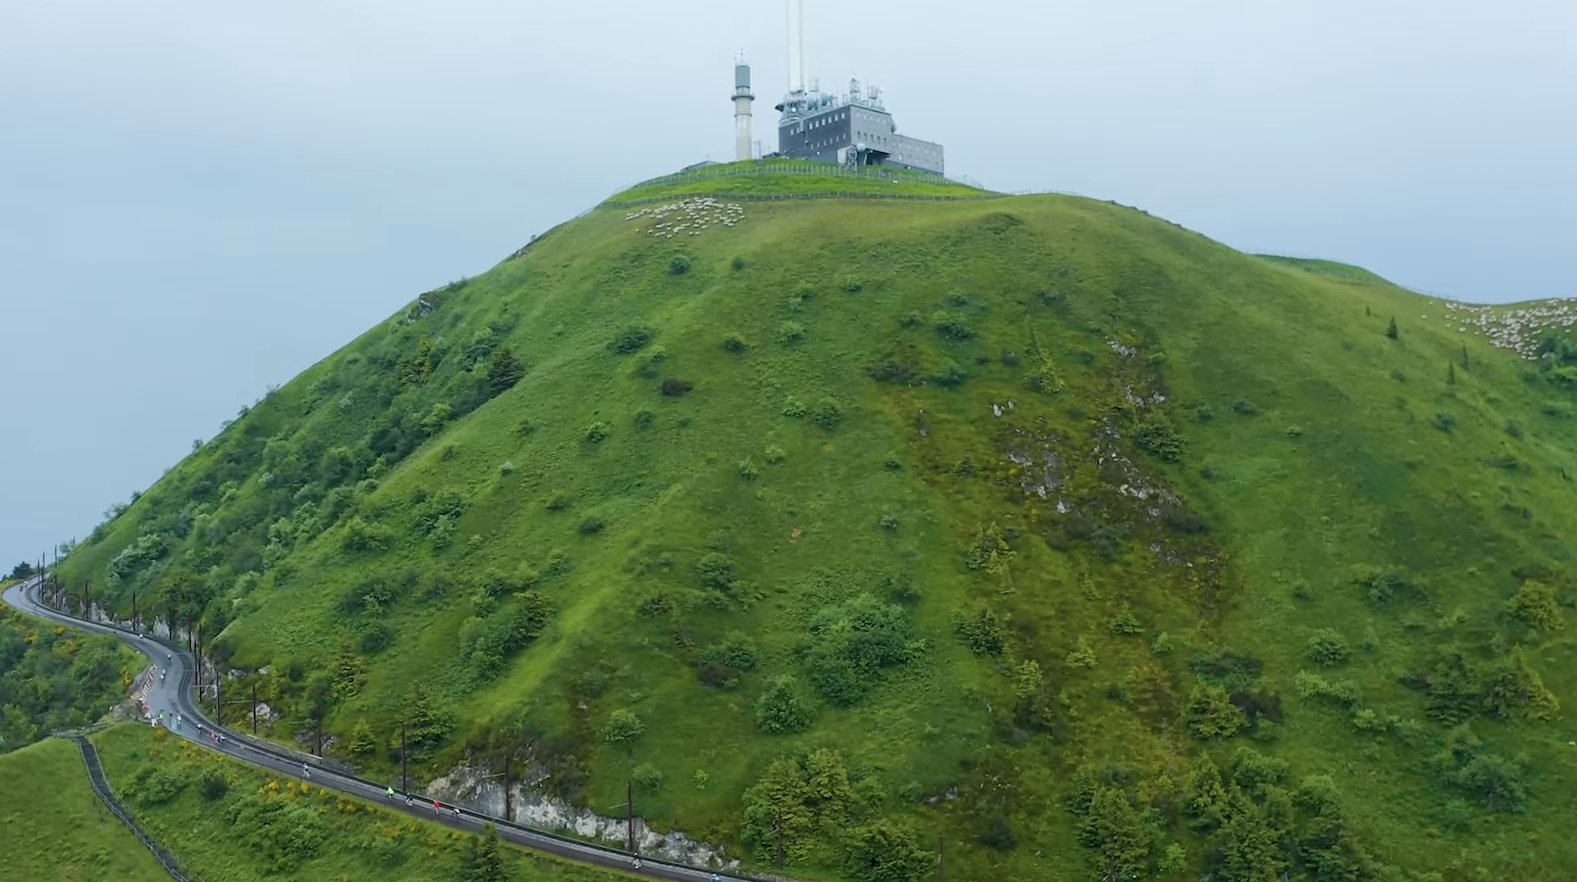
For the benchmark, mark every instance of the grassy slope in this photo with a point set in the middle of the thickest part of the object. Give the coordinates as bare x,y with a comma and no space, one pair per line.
1339,469
60,830
197,831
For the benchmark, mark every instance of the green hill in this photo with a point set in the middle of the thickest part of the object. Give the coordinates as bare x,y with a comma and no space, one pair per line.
59,830
1036,522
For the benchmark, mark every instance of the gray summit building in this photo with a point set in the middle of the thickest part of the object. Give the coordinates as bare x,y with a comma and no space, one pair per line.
851,129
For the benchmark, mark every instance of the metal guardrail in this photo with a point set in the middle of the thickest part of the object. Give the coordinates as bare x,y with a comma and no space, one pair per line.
101,786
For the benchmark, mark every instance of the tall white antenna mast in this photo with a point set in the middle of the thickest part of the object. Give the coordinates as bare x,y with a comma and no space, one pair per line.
796,35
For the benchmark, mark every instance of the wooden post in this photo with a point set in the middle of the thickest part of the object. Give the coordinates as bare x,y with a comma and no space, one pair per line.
629,816
317,728
507,815
218,717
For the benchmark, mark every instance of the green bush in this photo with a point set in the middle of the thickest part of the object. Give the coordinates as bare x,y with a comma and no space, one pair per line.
827,414
673,387
735,342
678,265
850,644
1535,605
648,777
951,327
1326,647
598,432
748,469
213,785
781,710
949,375
736,651
790,333
718,571
631,339
279,831
623,728
1212,715
981,629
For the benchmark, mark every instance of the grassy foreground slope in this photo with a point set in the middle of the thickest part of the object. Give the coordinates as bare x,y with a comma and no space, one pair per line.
53,828
1036,522
230,822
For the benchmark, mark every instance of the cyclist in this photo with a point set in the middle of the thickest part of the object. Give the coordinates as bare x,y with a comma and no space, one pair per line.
636,863
391,793
306,772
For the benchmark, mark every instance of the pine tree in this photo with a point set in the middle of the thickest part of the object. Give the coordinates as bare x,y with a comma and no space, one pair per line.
489,863
1390,329
1451,374
1464,356
346,675
504,370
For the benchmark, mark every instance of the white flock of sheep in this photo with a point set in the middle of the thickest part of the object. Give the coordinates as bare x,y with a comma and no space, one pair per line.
689,216
1519,329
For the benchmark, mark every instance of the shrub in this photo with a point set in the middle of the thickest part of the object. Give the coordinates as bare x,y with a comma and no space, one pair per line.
673,387
949,375
794,408
735,343
644,418
951,327
278,830
558,500
1327,648
1156,435
361,536
1390,329
718,571
1534,605
748,470
827,414
852,285
648,777
213,785
790,333
592,526
1245,408
1125,622
774,454
1211,713
631,339
781,710
888,521
911,320
1444,421
156,785
597,432
738,264
1082,656
852,642
678,265
504,370
886,851
1344,693
982,630
623,727
736,651
506,468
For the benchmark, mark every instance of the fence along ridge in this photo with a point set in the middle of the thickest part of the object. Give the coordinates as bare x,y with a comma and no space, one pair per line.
101,787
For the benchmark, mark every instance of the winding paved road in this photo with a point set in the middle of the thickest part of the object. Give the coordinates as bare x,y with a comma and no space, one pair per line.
170,692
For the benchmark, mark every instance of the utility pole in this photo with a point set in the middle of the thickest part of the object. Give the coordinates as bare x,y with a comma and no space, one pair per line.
629,816
136,624
777,828
317,729
404,787
507,815
254,708
87,600
218,676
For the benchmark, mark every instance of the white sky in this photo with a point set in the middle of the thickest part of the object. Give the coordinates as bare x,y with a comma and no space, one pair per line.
199,199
